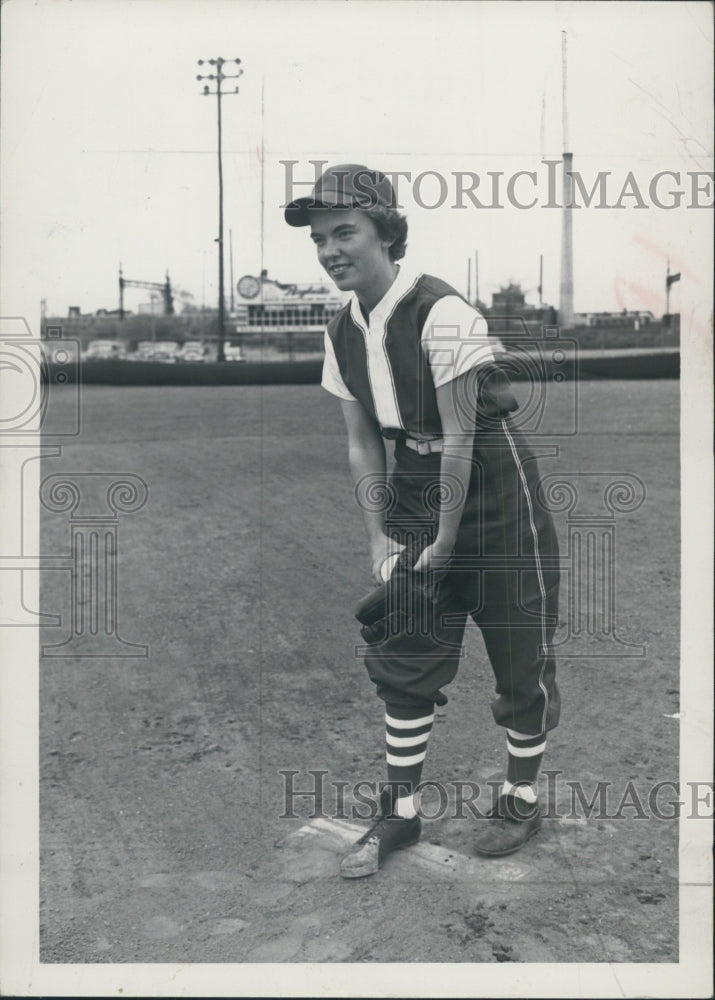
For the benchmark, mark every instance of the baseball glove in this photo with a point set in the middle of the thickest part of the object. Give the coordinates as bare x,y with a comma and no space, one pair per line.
391,607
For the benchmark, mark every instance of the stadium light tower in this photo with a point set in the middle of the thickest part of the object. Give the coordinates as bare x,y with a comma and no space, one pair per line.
219,76
566,319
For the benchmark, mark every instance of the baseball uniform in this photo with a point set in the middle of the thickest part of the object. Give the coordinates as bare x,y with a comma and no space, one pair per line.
420,336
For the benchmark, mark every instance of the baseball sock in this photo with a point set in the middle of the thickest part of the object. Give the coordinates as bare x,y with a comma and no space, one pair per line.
525,756
407,731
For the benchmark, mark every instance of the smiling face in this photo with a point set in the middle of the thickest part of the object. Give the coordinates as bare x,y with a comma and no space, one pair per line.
353,253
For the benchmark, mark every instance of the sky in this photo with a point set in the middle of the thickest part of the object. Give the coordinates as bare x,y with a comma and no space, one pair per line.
109,148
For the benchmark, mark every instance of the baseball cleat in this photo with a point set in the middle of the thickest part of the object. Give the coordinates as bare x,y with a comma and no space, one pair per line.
507,827
390,833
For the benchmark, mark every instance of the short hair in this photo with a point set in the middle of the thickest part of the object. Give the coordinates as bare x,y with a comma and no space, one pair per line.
390,226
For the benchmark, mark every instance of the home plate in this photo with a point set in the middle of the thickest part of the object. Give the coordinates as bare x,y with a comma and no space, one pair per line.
322,837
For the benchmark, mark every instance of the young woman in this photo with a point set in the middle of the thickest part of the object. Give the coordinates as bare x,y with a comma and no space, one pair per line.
411,361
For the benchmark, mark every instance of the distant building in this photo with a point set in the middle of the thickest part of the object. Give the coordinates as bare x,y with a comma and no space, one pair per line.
510,298
509,312
627,320
267,304
84,327
74,324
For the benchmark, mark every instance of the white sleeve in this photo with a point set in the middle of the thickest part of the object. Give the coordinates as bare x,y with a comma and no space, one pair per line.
332,380
455,338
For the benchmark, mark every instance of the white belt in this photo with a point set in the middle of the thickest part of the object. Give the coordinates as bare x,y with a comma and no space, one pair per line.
424,446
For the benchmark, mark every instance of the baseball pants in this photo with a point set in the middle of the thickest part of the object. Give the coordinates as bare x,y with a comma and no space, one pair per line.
504,576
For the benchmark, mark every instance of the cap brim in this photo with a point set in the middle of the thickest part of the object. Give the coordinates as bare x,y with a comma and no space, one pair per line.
296,213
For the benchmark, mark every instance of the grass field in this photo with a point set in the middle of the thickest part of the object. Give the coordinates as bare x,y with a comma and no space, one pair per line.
161,791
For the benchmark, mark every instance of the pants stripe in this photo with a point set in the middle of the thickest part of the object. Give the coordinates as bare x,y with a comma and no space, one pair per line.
539,573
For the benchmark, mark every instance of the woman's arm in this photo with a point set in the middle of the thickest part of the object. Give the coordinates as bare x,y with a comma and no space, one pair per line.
456,464
366,456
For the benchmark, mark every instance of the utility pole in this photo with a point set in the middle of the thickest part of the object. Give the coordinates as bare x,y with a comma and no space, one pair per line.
469,279
476,278
153,297
219,76
230,245
670,279
667,288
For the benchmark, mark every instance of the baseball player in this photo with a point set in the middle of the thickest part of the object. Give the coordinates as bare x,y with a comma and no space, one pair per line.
411,362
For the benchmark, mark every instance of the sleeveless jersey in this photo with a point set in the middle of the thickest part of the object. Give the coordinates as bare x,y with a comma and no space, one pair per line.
422,334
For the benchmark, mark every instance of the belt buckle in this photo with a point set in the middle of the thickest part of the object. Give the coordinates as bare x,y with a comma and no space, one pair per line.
423,447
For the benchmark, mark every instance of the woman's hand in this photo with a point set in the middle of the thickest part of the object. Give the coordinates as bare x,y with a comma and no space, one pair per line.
434,558
381,549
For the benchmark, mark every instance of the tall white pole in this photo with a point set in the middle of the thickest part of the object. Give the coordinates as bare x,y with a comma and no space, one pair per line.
566,284
564,87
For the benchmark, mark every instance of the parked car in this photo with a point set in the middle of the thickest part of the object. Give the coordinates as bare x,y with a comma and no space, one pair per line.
234,352
102,349
193,350
158,350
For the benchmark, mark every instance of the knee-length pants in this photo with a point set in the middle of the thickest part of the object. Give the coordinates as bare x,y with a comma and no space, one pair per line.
504,575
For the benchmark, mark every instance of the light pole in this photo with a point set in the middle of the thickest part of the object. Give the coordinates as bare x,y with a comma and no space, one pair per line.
219,76
230,263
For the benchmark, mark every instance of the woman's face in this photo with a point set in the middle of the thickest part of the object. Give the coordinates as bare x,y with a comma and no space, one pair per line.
352,252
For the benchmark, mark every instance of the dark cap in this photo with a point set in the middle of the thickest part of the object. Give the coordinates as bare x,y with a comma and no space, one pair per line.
348,185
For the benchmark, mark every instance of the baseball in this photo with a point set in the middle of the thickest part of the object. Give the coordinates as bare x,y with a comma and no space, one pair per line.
388,566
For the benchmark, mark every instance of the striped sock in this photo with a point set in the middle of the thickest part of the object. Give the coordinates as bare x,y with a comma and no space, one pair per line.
525,756
407,732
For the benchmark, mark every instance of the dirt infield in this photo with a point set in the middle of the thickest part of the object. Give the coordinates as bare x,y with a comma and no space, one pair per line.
161,786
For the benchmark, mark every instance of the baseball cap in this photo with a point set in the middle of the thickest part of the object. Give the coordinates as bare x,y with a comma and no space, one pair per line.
347,185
